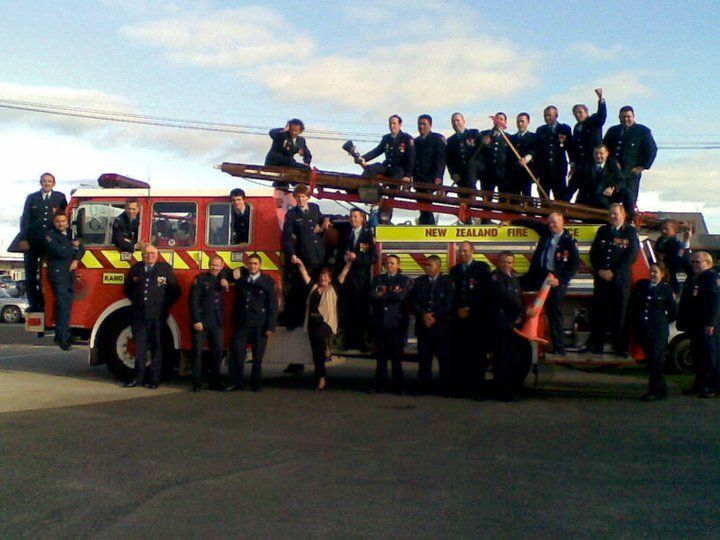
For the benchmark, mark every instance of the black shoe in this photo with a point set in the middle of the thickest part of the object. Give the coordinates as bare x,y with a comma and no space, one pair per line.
256,388
196,387
232,388
41,334
131,384
66,347
294,369
152,386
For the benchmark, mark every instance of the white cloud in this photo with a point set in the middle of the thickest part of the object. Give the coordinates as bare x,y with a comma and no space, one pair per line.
586,50
619,88
447,72
226,38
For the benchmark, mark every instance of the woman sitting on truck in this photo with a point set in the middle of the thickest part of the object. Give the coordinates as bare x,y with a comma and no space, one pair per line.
321,316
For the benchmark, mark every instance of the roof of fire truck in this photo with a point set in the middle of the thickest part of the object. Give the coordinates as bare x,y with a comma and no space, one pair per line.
168,192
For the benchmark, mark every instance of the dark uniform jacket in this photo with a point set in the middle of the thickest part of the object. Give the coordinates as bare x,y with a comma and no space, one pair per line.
255,302
437,298
525,144
566,259
124,233
399,152
60,252
700,303
366,255
632,147
206,300
388,294
283,147
299,237
506,305
495,154
430,153
652,308
615,250
550,158
37,216
471,286
240,225
461,149
587,135
591,183
151,293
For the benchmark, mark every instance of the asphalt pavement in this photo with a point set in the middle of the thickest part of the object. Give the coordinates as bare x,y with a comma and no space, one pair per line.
81,457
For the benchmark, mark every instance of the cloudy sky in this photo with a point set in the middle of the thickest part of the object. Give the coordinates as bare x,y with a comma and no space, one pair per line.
342,67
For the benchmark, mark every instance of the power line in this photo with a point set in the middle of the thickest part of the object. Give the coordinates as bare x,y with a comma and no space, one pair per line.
239,129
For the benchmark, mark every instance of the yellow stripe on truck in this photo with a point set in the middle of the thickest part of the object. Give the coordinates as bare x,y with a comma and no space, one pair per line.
114,258
90,261
477,234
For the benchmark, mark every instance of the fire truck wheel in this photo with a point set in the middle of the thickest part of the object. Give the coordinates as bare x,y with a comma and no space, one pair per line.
679,359
115,345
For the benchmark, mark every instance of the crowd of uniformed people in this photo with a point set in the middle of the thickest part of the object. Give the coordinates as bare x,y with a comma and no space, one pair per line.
461,317
569,163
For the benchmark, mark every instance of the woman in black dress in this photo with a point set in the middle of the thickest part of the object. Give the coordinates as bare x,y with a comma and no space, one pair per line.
321,319
653,309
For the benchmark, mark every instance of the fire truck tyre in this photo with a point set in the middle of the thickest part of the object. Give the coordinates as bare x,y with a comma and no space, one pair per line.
114,345
679,359
11,314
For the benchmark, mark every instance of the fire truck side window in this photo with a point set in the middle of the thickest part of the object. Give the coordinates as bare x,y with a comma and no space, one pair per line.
222,231
173,224
93,222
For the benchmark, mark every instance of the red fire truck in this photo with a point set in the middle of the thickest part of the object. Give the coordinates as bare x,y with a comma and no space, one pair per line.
190,226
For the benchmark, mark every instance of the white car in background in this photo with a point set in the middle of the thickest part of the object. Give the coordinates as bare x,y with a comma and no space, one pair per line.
12,310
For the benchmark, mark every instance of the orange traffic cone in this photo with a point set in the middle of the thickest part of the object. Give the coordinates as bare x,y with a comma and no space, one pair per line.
529,328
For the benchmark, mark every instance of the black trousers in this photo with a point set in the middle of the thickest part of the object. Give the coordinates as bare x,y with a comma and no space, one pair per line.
468,356
279,160
519,183
296,292
553,312
355,314
507,369
491,179
389,342
555,183
394,172
704,350
426,218
242,338
653,346
214,337
33,288
319,334
434,342
610,299
148,337
64,292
